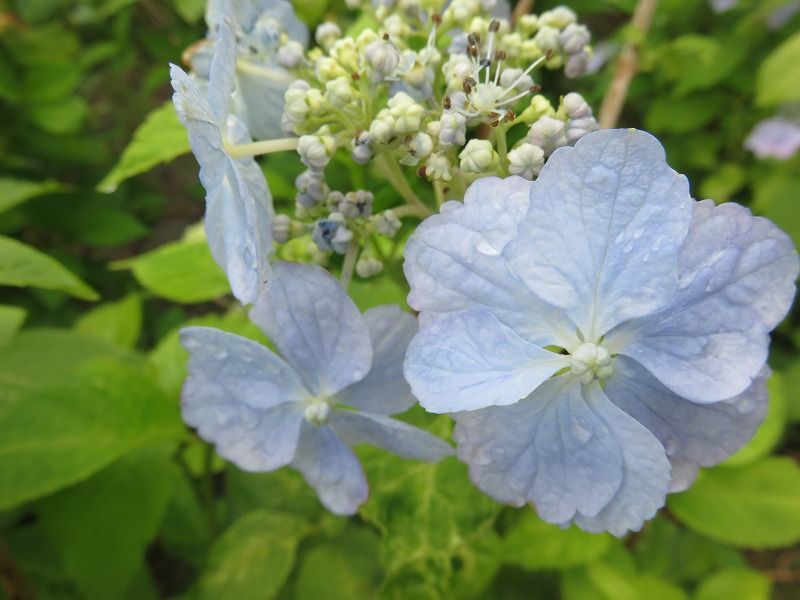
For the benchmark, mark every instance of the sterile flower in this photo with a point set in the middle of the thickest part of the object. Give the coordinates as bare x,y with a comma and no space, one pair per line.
238,218
334,381
603,333
774,138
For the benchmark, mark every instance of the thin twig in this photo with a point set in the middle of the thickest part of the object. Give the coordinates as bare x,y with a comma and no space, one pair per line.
627,64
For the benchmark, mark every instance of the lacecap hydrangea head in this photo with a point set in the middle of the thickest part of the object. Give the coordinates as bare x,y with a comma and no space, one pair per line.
611,332
334,382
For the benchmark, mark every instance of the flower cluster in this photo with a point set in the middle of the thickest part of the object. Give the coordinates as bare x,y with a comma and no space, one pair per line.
598,335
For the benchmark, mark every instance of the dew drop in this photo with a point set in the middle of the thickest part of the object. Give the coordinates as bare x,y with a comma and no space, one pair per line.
485,248
581,431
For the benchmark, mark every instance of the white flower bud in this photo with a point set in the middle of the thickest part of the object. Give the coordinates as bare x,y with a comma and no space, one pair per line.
577,128
528,24
295,107
290,55
311,188
339,91
577,64
381,130
317,412
548,133
406,112
460,11
356,204
575,107
419,148
382,56
478,156
433,128
574,38
509,76
457,68
331,234
452,129
547,39
438,167
327,33
396,26
387,223
559,17
526,160
281,228
327,68
316,150
360,148
368,266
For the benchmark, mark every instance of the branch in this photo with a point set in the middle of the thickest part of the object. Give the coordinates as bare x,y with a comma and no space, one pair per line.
627,64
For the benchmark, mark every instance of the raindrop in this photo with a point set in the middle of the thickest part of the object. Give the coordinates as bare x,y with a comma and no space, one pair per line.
486,248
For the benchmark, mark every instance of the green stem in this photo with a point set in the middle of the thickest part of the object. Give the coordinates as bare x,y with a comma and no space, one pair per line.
502,147
349,264
438,190
410,210
394,175
245,66
264,147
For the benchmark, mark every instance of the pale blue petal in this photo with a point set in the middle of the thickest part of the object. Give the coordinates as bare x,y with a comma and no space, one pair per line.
601,236
241,397
737,275
571,453
647,473
454,261
263,98
384,390
682,476
702,434
390,434
315,327
222,77
331,468
469,360
246,12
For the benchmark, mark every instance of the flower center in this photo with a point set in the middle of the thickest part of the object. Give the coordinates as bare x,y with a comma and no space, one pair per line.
317,411
590,361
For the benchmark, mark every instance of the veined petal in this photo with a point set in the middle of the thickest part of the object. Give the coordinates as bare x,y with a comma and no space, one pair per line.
331,468
222,75
242,397
469,360
737,275
384,390
454,261
570,452
315,327
601,236
390,434
701,434
263,99
247,12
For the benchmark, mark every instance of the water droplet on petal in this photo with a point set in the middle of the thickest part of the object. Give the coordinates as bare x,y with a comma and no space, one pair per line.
581,430
486,248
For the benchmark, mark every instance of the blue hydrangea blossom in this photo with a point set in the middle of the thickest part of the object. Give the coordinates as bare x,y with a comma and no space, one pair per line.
239,209
334,382
598,333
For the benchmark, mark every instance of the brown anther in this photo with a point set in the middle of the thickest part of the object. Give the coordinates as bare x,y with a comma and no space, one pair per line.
477,37
500,55
422,171
549,54
472,39
467,88
494,26
472,51
355,76
470,81
447,103
494,122
386,37
437,19
509,116
535,88
408,138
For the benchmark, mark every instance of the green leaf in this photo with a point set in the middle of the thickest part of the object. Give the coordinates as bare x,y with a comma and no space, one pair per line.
771,430
779,73
343,569
776,199
723,183
533,544
252,559
283,490
755,505
62,432
684,115
434,524
24,266
735,584
160,138
182,271
16,191
118,323
114,515
11,319
603,581
368,293
190,10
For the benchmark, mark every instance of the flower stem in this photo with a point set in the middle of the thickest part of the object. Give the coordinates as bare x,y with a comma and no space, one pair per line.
410,210
263,147
393,173
349,264
245,66
615,96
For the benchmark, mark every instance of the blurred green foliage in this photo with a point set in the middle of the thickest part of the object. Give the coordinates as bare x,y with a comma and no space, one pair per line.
103,492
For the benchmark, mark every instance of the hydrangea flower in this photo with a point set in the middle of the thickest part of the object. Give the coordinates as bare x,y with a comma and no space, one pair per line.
598,333
774,138
239,210
334,382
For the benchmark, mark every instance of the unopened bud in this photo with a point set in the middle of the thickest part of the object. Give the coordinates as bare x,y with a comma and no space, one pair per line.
478,156
526,160
548,133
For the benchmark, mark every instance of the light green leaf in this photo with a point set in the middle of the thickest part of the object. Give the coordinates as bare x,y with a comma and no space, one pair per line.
11,319
755,505
118,323
434,525
723,183
253,557
16,191
683,115
604,581
779,73
190,10
67,429
533,544
160,138
735,584
771,430
182,271
114,515
24,266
